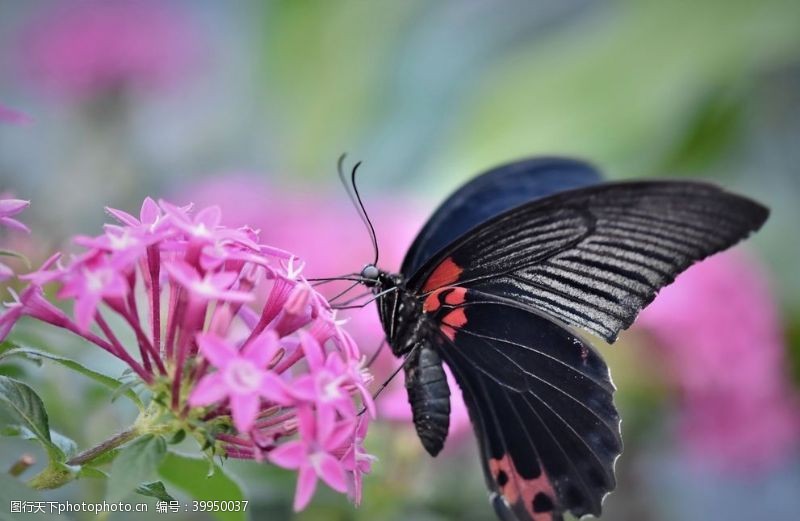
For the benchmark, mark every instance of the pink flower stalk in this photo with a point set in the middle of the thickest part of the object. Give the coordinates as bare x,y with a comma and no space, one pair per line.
9,208
13,117
228,332
86,47
326,232
719,331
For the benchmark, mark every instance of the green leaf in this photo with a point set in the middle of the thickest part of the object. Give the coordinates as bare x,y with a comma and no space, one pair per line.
92,472
190,475
154,489
29,409
11,489
67,445
9,349
124,388
135,463
177,437
15,255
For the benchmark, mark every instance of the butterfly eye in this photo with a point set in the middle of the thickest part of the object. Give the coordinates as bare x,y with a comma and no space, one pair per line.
371,272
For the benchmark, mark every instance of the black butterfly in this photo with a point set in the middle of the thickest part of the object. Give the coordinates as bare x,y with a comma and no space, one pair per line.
493,286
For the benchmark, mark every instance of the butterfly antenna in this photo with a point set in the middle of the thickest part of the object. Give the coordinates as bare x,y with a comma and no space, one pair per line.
365,216
355,198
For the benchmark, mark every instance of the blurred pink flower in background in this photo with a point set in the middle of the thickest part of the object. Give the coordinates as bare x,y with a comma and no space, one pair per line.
81,48
8,209
718,329
326,232
13,117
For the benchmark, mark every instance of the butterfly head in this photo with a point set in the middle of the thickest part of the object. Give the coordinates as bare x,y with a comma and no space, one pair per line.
379,280
371,274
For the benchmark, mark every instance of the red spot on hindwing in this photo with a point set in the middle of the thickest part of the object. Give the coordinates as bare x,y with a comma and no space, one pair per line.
452,319
455,318
446,273
431,303
452,296
456,296
536,496
448,331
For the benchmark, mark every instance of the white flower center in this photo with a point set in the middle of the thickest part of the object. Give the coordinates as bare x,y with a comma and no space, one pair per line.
200,230
97,280
122,241
242,376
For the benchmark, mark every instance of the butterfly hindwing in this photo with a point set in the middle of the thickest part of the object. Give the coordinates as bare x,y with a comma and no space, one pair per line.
540,399
492,193
595,256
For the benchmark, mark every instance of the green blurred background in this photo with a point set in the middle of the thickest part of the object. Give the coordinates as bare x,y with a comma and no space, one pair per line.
426,94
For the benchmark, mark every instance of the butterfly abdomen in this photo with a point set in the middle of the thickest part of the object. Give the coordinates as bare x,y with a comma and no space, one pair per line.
429,396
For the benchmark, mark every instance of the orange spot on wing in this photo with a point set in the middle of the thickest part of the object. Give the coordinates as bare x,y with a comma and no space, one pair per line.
448,331
515,488
452,295
431,303
456,296
455,318
446,273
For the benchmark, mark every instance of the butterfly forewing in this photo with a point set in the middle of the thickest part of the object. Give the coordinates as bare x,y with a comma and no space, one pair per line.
594,257
492,193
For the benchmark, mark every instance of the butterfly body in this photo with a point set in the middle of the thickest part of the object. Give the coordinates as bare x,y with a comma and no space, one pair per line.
496,285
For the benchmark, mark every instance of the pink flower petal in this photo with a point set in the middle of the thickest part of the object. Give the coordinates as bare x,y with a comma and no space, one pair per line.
183,273
210,217
14,224
85,309
341,436
5,272
9,207
304,389
290,455
150,212
306,485
262,349
210,389
331,472
216,350
245,409
274,389
123,217
312,350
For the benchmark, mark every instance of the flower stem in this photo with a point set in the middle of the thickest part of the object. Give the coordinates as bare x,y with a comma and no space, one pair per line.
111,443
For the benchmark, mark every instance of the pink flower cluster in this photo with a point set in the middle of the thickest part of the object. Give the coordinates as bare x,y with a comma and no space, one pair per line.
8,209
84,47
719,332
225,327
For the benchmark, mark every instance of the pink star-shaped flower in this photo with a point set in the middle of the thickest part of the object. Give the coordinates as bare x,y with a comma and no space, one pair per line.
9,208
208,287
313,453
356,460
98,279
241,377
330,380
